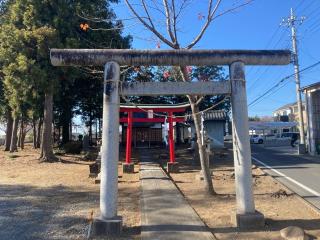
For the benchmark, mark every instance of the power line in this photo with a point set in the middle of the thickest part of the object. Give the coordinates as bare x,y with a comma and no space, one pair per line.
281,81
271,93
299,5
269,42
309,5
260,71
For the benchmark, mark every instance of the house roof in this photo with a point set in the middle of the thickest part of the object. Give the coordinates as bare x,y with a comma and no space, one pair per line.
286,106
311,86
270,125
213,115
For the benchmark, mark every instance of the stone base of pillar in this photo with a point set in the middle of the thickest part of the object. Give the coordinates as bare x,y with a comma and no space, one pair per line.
94,169
128,167
97,180
106,227
248,221
172,167
301,149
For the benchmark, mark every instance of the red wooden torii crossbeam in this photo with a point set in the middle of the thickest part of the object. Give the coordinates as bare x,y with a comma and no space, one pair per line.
168,109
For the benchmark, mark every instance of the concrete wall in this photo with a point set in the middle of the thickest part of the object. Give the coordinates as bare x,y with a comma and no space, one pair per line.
313,131
215,131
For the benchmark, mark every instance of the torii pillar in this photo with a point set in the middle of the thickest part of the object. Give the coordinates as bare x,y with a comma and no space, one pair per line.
109,223
245,216
128,166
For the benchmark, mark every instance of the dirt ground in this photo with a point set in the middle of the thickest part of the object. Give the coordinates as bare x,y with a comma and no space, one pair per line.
54,200
281,207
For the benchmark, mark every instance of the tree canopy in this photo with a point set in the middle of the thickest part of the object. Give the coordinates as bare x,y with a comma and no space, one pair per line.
29,28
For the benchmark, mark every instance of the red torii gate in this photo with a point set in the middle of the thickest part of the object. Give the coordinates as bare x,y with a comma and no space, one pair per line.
128,167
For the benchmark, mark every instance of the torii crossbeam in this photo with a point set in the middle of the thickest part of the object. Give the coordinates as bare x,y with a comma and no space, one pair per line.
246,215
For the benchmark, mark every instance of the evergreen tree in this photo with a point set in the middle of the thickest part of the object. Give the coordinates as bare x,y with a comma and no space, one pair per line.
28,30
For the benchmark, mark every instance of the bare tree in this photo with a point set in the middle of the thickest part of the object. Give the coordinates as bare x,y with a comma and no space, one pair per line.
171,11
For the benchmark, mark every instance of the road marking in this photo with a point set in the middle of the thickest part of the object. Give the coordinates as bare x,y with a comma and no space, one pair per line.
289,178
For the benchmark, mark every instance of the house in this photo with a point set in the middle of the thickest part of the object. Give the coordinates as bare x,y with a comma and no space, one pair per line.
290,113
312,96
214,125
264,128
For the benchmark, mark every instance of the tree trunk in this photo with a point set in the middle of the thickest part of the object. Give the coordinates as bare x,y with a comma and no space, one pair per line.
96,130
90,130
202,154
99,126
9,130
66,124
59,134
39,132
34,132
65,132
23,138
70,128
19,136
46,143
22,135
14,137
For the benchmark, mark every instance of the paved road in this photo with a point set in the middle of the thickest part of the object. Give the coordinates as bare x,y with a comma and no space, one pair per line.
301,174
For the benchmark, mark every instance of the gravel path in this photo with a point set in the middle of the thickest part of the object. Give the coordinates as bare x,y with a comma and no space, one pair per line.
54,200
44,213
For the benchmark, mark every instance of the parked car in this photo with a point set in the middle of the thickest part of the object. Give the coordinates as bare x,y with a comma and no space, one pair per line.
252,137
290,135
259,139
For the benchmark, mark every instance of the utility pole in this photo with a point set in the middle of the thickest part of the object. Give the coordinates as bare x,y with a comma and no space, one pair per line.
291,22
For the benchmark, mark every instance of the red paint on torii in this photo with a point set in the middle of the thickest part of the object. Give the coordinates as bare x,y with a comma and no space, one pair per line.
171,119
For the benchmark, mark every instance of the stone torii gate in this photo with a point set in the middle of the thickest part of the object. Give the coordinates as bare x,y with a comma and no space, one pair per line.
246,215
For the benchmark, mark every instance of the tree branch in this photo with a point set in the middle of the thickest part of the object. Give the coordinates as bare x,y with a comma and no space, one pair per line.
206,25
233,9
147,12
168,20
182,6
152,29
174,23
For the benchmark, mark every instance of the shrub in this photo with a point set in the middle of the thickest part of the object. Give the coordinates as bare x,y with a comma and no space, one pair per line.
72,147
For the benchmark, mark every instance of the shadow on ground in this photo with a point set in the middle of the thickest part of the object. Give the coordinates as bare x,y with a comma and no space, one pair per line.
57,212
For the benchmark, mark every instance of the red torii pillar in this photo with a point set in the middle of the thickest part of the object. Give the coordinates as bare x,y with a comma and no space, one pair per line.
172,166
171,141
128,167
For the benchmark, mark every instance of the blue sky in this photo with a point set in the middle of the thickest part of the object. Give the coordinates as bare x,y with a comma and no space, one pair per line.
253,27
